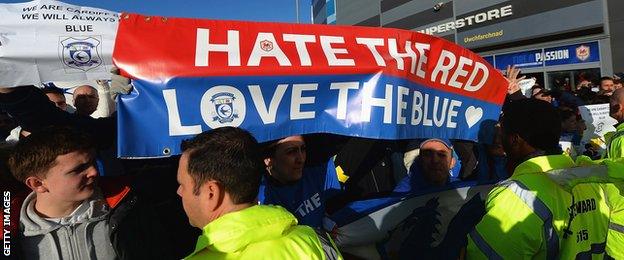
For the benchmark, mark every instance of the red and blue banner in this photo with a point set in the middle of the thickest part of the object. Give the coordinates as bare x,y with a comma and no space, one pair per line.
277,80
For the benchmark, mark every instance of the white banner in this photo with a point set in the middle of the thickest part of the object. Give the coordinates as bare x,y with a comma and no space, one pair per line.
46,40
526,85
598,120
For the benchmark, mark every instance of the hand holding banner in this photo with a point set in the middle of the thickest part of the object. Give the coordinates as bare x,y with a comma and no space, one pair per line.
277,80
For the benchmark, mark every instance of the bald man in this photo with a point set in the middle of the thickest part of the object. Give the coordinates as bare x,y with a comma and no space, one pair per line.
86,100
615,146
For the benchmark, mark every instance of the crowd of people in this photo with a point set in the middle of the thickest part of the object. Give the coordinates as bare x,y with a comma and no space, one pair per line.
228,196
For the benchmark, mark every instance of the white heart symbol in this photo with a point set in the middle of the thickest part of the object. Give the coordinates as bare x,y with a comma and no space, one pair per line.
473,115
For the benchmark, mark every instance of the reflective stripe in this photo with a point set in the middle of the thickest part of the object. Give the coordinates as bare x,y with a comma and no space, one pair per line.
570,176
541,210
329,248
485,248
596,249
616,227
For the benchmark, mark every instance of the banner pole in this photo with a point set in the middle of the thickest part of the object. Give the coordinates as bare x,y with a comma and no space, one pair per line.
297,9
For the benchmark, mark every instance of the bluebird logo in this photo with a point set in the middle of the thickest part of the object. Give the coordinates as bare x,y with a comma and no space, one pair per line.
80,53
223,106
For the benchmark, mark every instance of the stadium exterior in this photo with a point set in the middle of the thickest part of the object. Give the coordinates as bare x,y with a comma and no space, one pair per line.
559,42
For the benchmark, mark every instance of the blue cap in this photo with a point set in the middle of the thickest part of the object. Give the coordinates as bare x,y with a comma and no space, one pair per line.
444,141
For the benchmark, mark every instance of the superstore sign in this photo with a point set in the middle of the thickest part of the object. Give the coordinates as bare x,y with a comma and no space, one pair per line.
470,20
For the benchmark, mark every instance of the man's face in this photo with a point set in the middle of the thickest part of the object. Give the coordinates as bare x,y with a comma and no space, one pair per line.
436,161
190,200
510,144
583,84
58,100
616,109
85,100
569,124
496,148
606,86
543,97
287,162
72,178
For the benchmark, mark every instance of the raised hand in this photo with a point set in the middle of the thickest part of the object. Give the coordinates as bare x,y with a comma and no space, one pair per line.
511,74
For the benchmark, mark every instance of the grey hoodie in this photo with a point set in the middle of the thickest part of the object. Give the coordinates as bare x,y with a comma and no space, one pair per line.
83,234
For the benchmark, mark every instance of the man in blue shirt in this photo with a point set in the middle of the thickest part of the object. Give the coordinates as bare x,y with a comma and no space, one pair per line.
435,166
301,190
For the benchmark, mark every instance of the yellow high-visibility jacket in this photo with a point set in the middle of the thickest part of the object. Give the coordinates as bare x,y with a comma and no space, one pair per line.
552,209
262,232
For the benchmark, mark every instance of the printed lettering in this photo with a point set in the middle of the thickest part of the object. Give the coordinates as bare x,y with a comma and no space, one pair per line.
79,28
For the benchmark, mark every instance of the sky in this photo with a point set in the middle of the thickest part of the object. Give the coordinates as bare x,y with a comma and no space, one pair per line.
251,10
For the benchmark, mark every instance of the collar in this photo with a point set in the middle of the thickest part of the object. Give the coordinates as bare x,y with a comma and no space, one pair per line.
543,164
235,230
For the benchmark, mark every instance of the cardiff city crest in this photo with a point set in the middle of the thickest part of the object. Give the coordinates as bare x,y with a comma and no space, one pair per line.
224,108
80,53
582,52
266,45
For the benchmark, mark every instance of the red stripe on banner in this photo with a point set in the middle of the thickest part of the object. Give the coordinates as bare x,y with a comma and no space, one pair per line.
157,48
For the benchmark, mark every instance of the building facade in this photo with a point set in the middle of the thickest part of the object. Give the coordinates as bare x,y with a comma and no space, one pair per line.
323,11
559,42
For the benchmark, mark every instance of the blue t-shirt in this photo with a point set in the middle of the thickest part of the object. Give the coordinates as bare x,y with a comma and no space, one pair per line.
306,198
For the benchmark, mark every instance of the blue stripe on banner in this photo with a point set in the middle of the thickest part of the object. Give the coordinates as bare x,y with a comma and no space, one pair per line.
156,116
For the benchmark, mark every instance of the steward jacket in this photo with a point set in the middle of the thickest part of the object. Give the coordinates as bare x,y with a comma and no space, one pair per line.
551,209
262,232
615,146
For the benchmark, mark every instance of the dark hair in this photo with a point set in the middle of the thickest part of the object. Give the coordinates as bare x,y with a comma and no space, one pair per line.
53,90
536,86
536,121
605,78
269,148
228,155
35,154
566,112
542,90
